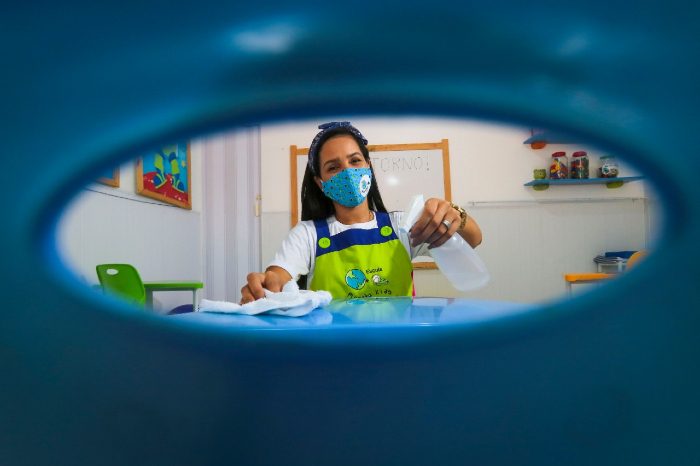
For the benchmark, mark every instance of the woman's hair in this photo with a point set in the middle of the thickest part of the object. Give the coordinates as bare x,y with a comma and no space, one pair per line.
317,206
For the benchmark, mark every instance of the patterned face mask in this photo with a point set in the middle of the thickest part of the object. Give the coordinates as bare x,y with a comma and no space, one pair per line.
349,187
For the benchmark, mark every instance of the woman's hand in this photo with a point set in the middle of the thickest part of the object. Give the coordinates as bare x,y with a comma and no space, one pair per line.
429,227
273,279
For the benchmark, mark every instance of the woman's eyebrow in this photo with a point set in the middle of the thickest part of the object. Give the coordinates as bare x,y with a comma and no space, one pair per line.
337,159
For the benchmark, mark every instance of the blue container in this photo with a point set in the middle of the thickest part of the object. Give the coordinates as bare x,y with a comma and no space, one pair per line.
607,378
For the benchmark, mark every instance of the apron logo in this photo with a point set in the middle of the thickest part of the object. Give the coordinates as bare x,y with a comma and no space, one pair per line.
377,280
355,279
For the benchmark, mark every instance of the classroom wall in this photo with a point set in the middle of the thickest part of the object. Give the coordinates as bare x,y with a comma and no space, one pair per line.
230,222
530,237
115,225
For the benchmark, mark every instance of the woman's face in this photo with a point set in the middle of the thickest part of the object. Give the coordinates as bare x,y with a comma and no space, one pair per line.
337,154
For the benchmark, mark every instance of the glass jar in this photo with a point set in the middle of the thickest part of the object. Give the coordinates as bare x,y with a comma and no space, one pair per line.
559,166
608,167
580,166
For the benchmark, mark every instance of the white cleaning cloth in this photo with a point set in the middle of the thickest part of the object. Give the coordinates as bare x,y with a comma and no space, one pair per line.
291,301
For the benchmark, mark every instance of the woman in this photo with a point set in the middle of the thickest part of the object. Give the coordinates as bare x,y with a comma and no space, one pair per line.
347,243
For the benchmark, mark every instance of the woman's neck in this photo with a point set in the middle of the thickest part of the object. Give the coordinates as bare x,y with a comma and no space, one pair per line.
352,215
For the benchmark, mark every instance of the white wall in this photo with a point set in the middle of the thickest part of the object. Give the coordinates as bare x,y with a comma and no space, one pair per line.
115,225
530,237
230,226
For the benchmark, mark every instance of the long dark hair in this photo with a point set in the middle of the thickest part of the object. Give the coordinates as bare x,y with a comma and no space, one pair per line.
317,206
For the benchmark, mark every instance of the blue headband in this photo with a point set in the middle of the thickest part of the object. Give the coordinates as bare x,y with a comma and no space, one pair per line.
324,129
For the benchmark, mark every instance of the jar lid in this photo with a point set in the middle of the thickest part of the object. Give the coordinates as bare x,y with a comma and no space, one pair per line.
558,154
580,153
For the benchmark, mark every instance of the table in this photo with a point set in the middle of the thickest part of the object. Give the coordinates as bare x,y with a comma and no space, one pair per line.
172,285
370,312
570,278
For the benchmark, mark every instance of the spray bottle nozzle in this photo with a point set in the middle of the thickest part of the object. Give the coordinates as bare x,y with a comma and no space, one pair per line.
412,213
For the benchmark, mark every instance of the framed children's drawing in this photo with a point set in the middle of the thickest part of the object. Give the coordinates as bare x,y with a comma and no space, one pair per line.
110,178
165,175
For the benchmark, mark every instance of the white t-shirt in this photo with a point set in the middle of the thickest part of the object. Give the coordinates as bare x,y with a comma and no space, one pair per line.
297,255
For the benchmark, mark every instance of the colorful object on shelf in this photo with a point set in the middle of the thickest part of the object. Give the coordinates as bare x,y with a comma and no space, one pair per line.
559,166
609,167
580,166
540,174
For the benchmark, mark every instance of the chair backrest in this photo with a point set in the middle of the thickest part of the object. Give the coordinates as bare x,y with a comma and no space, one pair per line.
636,258
122,280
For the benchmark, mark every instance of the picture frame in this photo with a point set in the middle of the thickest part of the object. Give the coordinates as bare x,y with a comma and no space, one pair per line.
165,174
110,179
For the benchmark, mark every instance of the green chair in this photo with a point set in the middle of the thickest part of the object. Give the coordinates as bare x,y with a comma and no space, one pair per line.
122,280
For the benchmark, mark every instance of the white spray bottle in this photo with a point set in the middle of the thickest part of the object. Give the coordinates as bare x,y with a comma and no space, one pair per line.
456,259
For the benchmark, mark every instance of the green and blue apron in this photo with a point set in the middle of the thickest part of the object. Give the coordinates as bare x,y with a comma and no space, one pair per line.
358,263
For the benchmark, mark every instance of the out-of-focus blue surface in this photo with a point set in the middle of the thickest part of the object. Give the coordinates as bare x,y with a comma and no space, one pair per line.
610,378
370,312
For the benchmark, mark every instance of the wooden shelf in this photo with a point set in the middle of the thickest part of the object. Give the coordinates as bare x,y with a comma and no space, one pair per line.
622,179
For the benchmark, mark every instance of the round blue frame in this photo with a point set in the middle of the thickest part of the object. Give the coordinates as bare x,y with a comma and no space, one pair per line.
609,378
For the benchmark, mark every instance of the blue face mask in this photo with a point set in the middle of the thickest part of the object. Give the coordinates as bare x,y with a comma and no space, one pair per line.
349,187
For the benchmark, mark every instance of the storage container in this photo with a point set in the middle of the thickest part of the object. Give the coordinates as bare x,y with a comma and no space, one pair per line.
580,166
608,167
559,166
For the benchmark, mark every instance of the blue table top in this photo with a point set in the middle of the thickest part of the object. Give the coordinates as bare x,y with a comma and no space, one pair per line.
418,311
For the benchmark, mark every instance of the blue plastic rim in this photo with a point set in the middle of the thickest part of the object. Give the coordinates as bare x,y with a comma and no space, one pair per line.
88,85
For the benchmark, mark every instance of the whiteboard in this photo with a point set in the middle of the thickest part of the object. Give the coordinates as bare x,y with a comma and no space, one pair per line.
401,171
403,174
